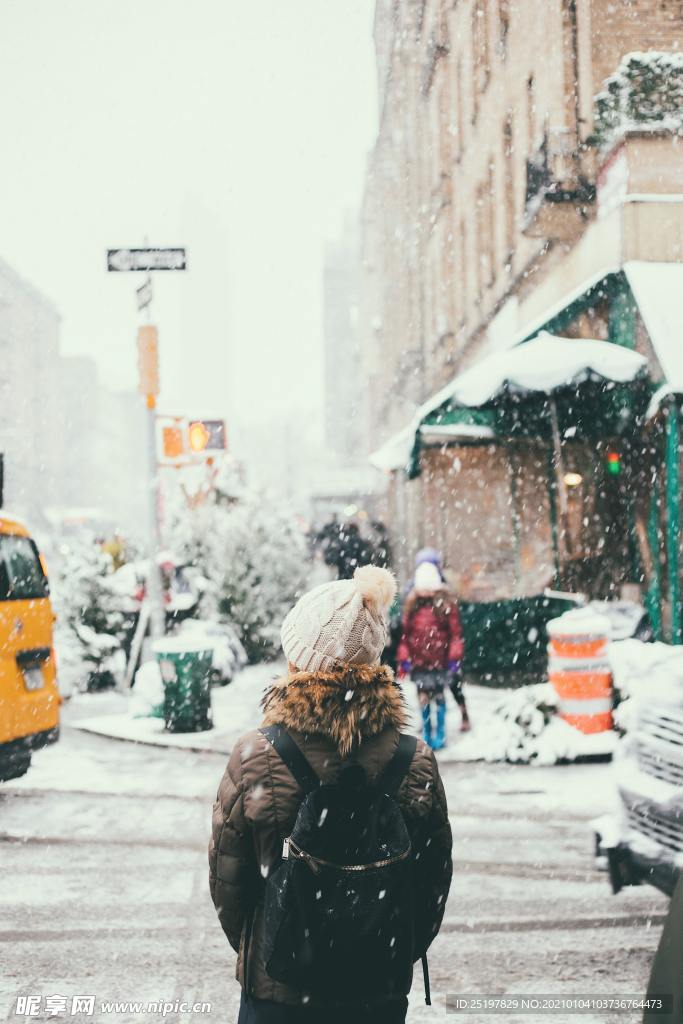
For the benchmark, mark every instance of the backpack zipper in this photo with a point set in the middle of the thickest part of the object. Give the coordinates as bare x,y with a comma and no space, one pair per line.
315,863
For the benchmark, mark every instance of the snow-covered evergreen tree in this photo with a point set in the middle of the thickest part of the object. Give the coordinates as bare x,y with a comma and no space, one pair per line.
89,625
255,557
82,595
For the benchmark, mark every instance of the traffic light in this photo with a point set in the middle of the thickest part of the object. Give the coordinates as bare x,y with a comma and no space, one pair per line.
181,440
198,436
613,463
173,441
207,435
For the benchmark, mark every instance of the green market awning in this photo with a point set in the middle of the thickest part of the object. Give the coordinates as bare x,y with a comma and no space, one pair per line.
446,426
545,366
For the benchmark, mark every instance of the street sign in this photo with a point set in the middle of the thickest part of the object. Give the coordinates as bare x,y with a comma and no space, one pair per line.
148,360
144,294
146,259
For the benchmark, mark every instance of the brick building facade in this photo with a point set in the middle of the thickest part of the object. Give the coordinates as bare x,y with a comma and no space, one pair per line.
492,210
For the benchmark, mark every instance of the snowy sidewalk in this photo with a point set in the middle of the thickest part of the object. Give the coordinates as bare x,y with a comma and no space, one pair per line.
235,710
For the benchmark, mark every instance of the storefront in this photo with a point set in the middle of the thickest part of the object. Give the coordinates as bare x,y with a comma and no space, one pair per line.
550,465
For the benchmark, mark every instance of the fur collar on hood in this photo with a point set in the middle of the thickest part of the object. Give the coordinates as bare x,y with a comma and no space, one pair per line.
344,705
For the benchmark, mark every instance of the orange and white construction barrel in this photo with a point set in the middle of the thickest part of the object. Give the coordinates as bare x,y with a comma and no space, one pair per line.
579,670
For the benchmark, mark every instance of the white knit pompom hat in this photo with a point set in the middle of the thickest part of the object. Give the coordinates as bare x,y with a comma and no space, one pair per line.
427,578
340,623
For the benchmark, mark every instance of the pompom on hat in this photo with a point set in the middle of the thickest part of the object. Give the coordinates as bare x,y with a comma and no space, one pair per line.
427,578
340,623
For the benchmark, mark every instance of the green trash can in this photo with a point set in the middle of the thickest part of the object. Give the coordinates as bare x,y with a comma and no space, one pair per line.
186,674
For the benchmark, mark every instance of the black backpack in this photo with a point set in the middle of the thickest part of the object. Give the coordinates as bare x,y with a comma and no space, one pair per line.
339,915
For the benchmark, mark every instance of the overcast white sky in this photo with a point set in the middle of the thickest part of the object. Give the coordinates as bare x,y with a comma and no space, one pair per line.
239,129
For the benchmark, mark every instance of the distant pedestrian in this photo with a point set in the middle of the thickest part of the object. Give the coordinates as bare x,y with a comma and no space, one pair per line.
330,860
327,539
431,650
353,551
431,555
434,557
382,553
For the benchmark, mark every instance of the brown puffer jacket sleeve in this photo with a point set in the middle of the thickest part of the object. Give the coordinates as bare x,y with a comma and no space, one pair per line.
233,878
432,843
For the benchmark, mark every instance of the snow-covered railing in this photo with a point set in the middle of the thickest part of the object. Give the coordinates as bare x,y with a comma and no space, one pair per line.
646,91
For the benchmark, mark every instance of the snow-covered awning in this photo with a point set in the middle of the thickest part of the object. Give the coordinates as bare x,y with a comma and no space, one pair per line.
543,365
658,291
434,433
395,453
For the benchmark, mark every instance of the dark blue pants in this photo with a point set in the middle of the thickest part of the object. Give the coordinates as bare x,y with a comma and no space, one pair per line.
261,1011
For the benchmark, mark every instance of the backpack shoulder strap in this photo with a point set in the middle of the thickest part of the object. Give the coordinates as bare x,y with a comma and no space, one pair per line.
289,752
395,772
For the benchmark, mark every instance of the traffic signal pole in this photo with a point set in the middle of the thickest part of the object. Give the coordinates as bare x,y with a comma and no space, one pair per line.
150,260
148,376
155,597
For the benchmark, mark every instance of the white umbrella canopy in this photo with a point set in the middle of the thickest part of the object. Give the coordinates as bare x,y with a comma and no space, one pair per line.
544,365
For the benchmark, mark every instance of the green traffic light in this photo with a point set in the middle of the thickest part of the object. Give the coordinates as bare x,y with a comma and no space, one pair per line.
613,464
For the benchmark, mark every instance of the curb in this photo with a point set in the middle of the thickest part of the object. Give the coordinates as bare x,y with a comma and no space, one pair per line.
149,741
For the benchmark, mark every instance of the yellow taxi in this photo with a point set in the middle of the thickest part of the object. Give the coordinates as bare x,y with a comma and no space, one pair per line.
29,698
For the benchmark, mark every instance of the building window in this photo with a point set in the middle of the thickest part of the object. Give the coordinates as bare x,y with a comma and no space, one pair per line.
509,189
531,114
446,130
447,297
503,27
482,242
672,8
491,262
480,52
463,274
485,198
459,119
436,301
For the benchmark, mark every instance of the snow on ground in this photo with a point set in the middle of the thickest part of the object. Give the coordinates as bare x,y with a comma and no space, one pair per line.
521,726
235,710
497,734
586,790
528,911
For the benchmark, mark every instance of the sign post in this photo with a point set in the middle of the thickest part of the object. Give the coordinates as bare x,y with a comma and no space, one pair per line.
143,294
148,385
148,260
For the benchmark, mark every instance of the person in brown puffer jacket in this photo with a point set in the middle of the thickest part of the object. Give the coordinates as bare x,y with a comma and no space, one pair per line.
336,700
